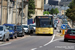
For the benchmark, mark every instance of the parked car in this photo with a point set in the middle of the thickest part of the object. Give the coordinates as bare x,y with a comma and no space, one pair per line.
69,35
61,17
32,28
19,30
55,25
26,29
56,21
11,28
4,33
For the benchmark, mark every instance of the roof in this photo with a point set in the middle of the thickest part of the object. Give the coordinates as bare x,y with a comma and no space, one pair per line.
9,24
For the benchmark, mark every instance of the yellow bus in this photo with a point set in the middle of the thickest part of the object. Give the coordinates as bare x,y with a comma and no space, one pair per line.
44,25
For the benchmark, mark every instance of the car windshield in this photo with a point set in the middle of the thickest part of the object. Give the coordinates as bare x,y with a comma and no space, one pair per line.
25,26
31,26
18,27
71,31
1,28
9,27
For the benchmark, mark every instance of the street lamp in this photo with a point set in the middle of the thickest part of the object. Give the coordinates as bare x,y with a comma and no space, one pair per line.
1,12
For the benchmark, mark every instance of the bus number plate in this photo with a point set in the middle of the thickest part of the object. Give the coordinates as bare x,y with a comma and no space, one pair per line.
44,32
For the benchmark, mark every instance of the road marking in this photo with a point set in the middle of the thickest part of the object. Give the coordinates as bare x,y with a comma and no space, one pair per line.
50,41
34,49
40,46
57,39
5,44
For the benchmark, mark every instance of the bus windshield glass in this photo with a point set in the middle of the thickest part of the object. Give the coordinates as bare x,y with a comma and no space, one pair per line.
45,23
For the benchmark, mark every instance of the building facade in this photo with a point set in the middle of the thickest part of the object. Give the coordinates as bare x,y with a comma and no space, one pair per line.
45,1
39,8
64,2
4,12
12,11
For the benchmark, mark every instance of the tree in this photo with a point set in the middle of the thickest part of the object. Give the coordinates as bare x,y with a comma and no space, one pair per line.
56,11
70,13
45,12
31,8
72,4
52,11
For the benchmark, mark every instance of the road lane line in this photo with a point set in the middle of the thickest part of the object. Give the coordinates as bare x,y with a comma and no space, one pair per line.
57,39
5,44
40,46
50,41
34,49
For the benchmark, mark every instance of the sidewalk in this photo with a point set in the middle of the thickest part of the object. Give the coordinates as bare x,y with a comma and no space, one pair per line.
59,35
1,42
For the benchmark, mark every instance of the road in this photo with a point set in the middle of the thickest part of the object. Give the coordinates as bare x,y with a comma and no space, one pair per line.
39,42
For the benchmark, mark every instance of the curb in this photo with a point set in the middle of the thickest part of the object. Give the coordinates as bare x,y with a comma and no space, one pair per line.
2,42
59,35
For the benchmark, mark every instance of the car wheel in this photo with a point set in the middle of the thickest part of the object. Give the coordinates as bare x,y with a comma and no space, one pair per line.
15,35
23,34
65,40
4,39
7,39
31,32
55,28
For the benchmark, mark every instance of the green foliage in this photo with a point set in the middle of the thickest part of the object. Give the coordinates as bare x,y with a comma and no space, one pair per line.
31,8
56,11
72,4
52,11
45,12
70,13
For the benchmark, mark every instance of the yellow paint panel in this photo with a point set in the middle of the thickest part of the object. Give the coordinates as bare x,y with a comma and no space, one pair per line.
44,31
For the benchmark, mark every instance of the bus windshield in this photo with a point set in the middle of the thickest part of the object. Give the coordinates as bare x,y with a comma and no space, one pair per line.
45,23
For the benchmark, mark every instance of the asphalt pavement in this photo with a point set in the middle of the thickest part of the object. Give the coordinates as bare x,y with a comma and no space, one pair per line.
39,42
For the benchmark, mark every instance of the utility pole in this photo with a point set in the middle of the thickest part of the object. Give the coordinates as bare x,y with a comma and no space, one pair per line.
22,12
1,12
16,10
7,10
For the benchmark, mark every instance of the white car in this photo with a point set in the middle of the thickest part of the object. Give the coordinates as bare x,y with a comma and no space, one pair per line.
4,33
25,27
32,27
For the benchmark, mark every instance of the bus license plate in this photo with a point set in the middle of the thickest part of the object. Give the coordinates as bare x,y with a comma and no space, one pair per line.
44,32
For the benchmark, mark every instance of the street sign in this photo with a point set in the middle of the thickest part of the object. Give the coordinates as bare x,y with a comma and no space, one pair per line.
63,26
